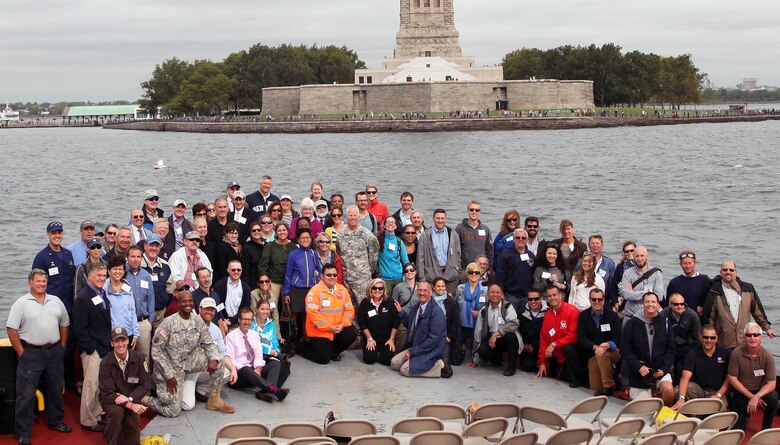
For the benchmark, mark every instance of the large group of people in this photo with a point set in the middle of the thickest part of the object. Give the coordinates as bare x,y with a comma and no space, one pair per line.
185,307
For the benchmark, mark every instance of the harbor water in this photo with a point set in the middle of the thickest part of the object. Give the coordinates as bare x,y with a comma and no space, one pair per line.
714,188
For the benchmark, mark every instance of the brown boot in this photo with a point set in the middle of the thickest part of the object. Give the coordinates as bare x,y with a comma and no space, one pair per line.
215,403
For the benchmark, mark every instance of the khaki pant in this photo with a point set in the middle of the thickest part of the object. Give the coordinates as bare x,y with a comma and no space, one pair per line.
600,373
144,345
697,392
159,316
399,364
90,402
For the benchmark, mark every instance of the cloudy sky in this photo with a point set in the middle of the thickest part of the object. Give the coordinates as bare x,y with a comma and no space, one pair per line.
55,50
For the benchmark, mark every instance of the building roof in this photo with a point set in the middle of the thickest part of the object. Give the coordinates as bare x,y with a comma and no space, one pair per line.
100,110
432,69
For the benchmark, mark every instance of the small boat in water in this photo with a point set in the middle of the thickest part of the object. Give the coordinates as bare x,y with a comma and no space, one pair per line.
160,164
8,114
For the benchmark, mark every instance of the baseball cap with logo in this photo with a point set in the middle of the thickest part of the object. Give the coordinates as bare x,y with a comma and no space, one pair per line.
118,333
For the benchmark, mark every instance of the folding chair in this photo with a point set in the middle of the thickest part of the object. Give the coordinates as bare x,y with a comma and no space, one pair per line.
700,407
483,431
711,426
572,436
238,430
550,422
730,437
444,412
591,405
375,440
636,409
505,410
766,437
436,438
294,430
321,440
659,439
627,428
520,439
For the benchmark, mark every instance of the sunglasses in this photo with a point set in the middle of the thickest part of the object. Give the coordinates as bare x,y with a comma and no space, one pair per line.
95,247
410,233
535,299
370,192
138,217
322,241
532,226
179,289
628,251
211,209
377,288
153,198
331,275
336,215
110,233
753,335
235,270
677,304
474,272
596,300
194,240
688,255
728,270
263,281
709,337
276,210
201,214
257,230
511,220
410,270
521,237
475,210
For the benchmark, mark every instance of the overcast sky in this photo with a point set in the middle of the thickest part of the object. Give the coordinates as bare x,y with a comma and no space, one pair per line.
54,50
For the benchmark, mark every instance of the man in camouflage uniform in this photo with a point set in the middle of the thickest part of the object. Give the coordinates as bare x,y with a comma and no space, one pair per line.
182,346
359,251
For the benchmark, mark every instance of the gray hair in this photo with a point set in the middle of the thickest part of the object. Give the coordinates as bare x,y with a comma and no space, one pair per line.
750,326
34,272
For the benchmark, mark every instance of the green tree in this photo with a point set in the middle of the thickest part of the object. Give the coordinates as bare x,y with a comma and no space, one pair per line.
524,63
167,79
208,90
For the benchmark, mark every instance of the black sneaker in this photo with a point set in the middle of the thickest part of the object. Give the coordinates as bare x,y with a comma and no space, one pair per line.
264,396
281,393
22,440
446,371
335,357
509,372
61,427
604,392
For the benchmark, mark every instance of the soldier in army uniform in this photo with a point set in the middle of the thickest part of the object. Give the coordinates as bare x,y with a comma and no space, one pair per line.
359,251
182,346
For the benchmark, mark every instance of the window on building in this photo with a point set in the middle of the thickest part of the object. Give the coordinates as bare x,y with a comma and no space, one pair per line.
408,78
416,3
427,54
360,79
448,78
370,79
427,3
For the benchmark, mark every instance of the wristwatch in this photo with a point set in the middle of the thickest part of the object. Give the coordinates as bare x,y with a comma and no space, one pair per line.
130,399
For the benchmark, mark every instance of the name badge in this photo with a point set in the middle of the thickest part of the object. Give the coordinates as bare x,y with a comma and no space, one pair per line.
482,299
97,300
241,220
126,287
54,271
563,324
194,278
552,332
372,313
606,328
132,380
501,320
603,273
759,373
220,307
178,231
571,247
524,257
509,237
546,275
154,277
481,232
272,305
325,303
391,247
144,284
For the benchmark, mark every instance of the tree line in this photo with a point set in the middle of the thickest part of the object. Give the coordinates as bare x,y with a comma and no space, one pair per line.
180,87
723,95
634,78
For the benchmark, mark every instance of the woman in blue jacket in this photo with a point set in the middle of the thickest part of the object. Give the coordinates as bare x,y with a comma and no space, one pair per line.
392,256
301,273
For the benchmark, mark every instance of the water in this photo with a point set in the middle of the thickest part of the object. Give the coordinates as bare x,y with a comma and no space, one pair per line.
714,188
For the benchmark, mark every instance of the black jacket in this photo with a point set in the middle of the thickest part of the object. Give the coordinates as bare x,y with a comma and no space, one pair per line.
636,352
590,334
251,252
92,323
220,287
225,254
170,238
530,327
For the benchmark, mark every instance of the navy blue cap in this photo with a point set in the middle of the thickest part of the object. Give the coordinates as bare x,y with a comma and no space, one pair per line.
54,226
94,242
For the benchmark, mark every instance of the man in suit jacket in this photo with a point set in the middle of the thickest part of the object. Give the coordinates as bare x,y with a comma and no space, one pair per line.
598,331
178,225
92,328
426,344
138,232
233,292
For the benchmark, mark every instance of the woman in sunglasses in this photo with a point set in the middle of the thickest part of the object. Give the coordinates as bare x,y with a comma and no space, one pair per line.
410,240
378,320
323,248
471,297
337,225
505,236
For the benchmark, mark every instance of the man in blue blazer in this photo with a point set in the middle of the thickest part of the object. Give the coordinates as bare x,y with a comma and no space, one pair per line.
425,351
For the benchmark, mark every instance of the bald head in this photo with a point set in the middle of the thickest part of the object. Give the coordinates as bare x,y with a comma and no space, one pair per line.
641,256
728,271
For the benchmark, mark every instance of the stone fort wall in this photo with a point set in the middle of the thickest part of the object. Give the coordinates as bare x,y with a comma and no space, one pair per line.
427,97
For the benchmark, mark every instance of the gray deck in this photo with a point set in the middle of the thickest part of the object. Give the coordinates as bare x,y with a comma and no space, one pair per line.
352,389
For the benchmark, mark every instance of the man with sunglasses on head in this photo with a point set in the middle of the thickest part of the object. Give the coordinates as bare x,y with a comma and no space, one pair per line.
150,210
692,285
730,304
687,327
184,262
705,370
475,238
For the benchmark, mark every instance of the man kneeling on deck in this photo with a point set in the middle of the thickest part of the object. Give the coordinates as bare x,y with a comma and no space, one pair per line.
496,331
182,345
426,344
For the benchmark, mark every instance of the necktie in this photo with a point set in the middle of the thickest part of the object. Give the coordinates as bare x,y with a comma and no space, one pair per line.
414,324
141,234
250,353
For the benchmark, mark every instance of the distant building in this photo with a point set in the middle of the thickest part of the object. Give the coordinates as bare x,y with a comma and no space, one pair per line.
109,112
428,73
749,83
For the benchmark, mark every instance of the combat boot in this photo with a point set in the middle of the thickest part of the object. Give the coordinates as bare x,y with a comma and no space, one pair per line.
215,403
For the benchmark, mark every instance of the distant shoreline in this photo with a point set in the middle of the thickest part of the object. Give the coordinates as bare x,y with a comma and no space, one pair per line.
426,125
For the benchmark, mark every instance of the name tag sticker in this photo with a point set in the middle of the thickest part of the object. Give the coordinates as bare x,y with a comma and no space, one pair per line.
272,305
606,328
178,231
54,271
603,273
155,277
524,257
132,380
481,232
552,332
571,247
144,284
501,320
759,373
126,287
372,313
509,237
241,220
546,275
220,307
97,300
326,303
482,299
391,247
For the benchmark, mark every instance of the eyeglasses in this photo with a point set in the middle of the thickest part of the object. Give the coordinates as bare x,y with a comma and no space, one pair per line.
688,255
534,299
95,247
331,275
323,241
532,226
628,251
370,192
179,289
377,288
263,281
677,304
153,198
596,300
235,270
234,188
336,215
211,209
194,240
266,222
238,198
410,233
410,270
276,210
110,233
200,214
511,220
521,237
753,334
256,230
474,272
138,217
709,337
724,269
475,210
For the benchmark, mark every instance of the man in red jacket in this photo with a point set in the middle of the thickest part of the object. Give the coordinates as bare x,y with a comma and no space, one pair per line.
558,339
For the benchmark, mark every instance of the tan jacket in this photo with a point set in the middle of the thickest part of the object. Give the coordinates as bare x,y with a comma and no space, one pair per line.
730,330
